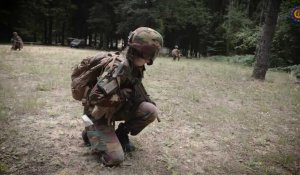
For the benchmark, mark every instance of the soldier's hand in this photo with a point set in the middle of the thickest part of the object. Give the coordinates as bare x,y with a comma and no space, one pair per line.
126,93
106,112
109,115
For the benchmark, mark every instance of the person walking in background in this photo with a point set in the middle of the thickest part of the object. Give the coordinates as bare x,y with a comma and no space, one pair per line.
175,53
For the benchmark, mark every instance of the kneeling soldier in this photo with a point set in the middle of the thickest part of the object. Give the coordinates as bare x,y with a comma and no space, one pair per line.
119,95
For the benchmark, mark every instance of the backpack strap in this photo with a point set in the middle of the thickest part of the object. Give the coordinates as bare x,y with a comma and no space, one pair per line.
84,100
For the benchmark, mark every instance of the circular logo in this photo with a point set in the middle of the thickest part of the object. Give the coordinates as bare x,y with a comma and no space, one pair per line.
295,14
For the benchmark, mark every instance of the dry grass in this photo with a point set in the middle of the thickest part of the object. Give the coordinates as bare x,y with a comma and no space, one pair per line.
215,119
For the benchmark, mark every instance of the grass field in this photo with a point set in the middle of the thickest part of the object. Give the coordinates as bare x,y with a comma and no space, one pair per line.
215,119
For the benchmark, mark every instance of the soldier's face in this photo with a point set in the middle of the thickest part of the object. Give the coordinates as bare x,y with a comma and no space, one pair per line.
139,61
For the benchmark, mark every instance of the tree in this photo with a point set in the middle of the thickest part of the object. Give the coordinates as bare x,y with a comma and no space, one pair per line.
135,13
262,55
102,20
187,23
236,22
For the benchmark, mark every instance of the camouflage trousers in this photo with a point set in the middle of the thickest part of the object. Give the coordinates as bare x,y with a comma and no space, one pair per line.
176,57
16,46
103,138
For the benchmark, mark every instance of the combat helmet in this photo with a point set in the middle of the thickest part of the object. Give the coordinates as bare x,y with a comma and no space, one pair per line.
147,42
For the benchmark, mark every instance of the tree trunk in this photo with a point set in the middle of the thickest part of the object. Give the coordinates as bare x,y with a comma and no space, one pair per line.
95,40
116,46
105,41
85,37
90,38
45,40
56,38
101,44
109,43
125,40
263,50
248,8
63,33
228,31
34,36
263,11
50,30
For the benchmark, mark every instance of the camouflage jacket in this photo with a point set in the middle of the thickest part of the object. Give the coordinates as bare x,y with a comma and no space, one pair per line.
175,52
16,39
121,70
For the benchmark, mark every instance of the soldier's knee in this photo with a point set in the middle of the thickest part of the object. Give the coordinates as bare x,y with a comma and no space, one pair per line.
113,159
153,116
105,141
149,110
150,118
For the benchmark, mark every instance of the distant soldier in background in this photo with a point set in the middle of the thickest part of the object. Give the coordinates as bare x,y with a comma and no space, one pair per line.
175,53
17,42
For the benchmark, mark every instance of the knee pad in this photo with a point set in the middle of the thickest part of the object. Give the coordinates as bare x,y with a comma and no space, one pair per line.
112,158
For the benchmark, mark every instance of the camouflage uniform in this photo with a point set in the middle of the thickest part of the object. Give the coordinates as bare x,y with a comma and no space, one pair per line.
17,42
124,103
175,53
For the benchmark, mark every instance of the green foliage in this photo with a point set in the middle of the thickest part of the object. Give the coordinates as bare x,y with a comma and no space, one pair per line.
247,60
136,13
295,69
187,24
239,33
100,17
245,40
3,168
198,27
236,19
34,14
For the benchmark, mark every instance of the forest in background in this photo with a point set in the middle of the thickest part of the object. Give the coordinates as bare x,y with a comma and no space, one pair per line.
198,27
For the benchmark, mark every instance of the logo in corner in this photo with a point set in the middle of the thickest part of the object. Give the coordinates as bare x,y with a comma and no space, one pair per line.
295,14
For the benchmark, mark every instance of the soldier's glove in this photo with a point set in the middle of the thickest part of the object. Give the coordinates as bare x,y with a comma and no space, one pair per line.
106,112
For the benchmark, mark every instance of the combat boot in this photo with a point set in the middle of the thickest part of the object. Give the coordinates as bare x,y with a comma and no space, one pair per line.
122,134
85,138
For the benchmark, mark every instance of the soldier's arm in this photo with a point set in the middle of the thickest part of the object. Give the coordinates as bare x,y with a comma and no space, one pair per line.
106,90
106,94
139,87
